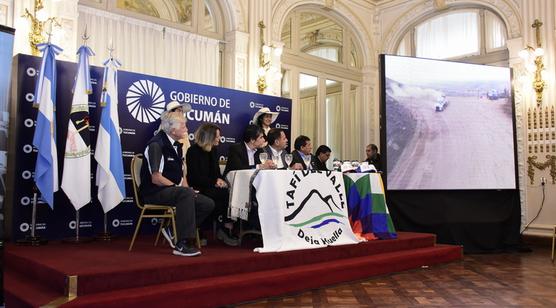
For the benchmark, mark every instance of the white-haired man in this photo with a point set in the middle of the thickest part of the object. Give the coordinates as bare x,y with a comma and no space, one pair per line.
162,182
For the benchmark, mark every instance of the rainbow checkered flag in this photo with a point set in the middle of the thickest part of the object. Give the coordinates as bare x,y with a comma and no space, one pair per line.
368,213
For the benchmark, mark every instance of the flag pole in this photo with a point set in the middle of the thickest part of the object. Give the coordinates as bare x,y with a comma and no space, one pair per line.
108,101
33,239
77,239
105,235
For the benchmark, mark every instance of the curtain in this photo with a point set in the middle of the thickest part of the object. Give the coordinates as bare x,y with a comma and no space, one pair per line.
495,35
448,36
308,122
149,48
334,124
328,53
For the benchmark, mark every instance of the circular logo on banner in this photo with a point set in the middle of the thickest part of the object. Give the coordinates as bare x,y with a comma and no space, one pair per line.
31,71
191,137
28,123
24,227
317,215
145,101
251,104
72,224
277,125
30,97
26,174
27,148
222,139
116,223
278,108
25,201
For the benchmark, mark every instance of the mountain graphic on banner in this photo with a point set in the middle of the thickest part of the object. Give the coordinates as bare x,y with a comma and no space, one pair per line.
315,200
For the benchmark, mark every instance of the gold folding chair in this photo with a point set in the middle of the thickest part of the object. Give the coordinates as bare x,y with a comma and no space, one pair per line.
553,242
148,210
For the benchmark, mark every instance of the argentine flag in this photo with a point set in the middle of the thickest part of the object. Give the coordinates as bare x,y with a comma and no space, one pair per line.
76,179
46,168
108,152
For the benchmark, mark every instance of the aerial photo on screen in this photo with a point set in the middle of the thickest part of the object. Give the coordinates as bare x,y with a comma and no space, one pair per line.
448,125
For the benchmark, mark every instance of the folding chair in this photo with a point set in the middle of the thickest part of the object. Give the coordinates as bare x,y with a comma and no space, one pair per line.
148,210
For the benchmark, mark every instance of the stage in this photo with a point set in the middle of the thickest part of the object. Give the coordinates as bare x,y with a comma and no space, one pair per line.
105,274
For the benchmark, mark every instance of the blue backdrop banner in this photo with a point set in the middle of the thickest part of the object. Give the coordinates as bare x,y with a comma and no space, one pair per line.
142,99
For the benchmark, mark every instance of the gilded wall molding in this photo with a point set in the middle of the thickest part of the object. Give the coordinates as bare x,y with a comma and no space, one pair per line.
550,162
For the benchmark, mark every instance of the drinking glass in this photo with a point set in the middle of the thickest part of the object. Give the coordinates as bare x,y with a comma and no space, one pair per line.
275,159
263,157
307,161
288,158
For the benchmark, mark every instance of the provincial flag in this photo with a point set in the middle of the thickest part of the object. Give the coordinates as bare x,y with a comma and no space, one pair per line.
76,178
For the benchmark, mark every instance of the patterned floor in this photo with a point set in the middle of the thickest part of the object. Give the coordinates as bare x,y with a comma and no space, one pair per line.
496,280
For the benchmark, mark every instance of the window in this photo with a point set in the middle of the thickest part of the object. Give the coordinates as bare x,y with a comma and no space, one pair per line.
322,58
448,36
319,36
470,35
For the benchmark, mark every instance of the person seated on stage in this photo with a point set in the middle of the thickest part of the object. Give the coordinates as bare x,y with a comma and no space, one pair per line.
277,144
321,156
203,174
162,182
303,149
174,106
245,155
264,118
373,157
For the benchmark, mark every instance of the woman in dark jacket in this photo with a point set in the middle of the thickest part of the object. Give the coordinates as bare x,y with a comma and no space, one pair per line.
203,174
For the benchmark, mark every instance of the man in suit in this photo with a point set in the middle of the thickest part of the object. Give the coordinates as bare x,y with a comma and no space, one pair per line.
245,155
277,144
303,148
373,157
162,182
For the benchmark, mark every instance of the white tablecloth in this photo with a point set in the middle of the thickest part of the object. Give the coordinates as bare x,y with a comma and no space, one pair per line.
239,193
301,210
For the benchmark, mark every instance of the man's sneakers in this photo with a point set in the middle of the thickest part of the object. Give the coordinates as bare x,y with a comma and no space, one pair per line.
186,250
227,239
167,233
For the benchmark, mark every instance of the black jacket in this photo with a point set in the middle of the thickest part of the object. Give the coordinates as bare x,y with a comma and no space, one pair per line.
283,155
237,158
202,168
318,165
377,162
298,159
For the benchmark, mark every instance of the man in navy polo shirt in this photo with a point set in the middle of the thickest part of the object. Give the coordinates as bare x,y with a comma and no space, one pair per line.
162,182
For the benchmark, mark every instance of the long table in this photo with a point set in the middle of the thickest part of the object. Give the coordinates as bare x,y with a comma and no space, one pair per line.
304,209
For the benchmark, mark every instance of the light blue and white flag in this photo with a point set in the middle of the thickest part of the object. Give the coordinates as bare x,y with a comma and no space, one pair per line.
46,168
76,179
108,151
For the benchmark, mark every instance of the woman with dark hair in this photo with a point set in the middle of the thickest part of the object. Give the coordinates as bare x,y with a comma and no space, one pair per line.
204,175
321,156
264,118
